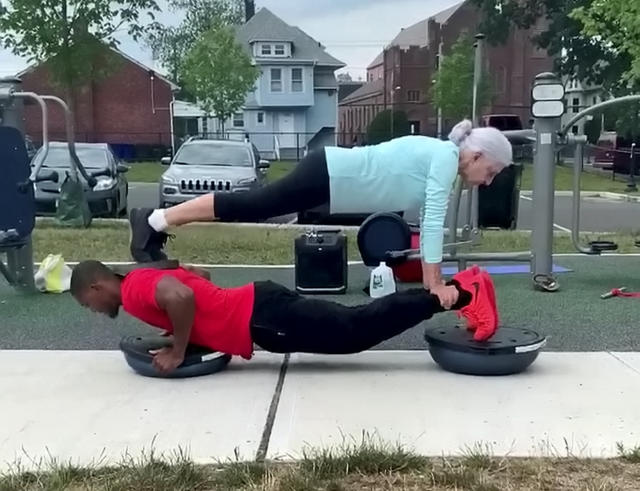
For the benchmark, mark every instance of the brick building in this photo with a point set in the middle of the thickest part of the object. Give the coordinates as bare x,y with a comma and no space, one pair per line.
401,76
129,108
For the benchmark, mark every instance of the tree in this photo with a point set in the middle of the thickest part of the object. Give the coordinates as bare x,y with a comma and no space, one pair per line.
575,54
70,35
624,120
171,44
345,77
452,91
615,26
219,73
380,130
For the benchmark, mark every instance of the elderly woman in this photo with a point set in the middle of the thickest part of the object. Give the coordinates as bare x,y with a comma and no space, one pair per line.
401,174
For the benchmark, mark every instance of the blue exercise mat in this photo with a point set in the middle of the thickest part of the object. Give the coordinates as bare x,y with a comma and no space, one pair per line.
506,269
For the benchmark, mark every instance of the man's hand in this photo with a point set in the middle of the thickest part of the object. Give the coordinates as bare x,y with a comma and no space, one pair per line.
166,360
448,295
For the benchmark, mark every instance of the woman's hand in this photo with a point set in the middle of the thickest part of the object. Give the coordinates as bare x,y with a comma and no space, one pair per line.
432,280
448,295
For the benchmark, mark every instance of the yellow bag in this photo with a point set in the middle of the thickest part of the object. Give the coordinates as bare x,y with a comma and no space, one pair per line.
53,276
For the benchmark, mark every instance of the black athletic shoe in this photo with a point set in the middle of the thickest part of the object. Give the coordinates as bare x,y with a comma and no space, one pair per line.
145,243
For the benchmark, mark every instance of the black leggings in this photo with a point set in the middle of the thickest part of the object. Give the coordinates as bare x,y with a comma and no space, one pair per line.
286,322
305,187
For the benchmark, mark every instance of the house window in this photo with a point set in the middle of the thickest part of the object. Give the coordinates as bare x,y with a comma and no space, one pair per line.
413,96
575,130
279,50
260,117
266,50
238,120
276,80
595,100
576,105
296,80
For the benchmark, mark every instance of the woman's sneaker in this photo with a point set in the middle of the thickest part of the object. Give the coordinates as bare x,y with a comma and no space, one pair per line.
481,313
145,244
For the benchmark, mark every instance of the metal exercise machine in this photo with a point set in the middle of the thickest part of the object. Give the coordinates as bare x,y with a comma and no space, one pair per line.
17,202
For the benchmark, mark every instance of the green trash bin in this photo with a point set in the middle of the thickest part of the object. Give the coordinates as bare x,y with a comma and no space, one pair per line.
498,203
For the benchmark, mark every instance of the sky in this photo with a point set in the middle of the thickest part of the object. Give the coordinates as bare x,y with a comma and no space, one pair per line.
354,31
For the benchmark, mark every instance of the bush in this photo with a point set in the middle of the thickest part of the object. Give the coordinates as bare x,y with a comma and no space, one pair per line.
380,128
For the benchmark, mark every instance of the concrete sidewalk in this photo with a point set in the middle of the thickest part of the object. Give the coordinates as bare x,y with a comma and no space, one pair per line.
88,406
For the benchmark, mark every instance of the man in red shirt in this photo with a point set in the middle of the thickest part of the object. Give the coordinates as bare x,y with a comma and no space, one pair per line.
184,302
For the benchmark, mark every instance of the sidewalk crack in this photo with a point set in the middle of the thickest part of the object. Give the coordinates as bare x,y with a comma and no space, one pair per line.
263,448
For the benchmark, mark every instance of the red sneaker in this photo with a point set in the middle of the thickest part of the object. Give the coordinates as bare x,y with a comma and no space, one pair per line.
481,313
492,293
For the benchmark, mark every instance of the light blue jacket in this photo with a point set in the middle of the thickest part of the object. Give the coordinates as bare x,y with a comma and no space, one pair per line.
399,175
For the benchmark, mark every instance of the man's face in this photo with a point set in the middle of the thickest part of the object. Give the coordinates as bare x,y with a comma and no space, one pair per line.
99,298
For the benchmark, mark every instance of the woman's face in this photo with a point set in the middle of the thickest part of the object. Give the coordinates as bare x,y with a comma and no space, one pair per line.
476,169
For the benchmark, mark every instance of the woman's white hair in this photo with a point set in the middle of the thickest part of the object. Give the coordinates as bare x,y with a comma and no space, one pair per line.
489,141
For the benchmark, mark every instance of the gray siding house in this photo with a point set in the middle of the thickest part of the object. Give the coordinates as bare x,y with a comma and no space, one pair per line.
294,106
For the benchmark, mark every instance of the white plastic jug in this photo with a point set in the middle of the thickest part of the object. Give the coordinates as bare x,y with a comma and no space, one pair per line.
382,281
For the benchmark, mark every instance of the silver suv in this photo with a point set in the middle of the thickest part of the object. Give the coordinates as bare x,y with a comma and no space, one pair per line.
205,166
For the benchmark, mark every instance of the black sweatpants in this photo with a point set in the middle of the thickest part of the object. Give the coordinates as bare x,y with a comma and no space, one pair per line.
285,322
305,187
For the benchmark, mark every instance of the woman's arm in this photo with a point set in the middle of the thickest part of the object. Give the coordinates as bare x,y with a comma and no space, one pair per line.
442,174
431,275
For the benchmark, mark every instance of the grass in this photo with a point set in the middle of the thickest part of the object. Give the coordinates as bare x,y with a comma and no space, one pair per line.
365,465
564,180
145,171
151,171
229,244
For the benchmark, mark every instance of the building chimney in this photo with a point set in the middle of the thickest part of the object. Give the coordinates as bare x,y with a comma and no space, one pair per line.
249,9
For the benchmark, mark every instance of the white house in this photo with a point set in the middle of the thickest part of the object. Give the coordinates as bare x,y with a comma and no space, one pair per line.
295,103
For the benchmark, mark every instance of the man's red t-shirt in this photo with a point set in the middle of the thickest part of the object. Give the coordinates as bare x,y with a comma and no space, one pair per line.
222,315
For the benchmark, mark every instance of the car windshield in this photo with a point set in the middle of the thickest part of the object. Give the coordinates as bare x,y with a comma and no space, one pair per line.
214,154
91,158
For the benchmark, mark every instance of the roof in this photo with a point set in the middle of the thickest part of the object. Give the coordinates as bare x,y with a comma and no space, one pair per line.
377,61
345,89
368,89
209,141
418,33
78,145
266,26
443,16
415,35
173,86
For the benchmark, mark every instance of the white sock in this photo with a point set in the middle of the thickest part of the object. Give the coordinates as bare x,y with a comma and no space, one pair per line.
157,221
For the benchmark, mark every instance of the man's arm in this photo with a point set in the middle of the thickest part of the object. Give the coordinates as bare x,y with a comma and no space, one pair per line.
178,301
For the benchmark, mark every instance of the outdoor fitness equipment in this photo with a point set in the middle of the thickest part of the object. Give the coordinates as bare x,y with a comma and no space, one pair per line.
197,361
507,352
17,202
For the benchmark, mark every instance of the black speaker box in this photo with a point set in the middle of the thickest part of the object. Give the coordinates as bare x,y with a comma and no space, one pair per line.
321,262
